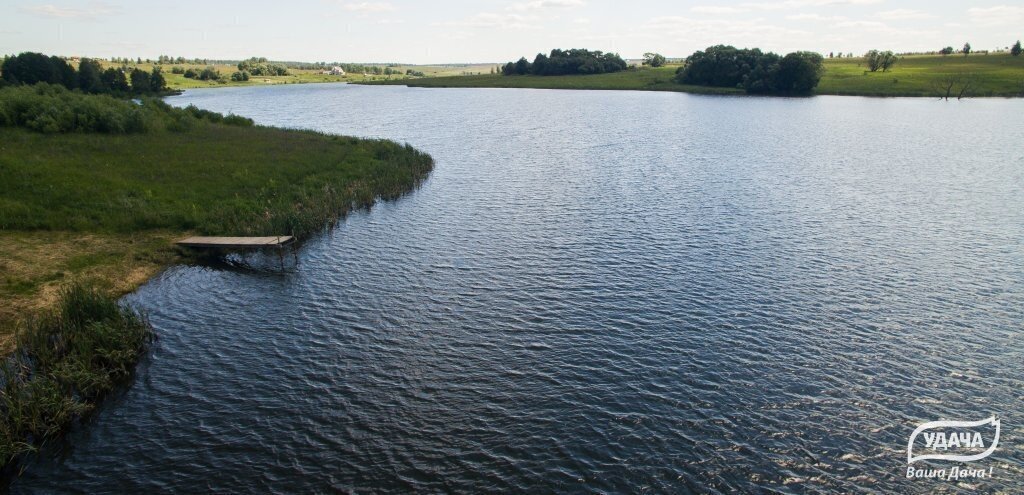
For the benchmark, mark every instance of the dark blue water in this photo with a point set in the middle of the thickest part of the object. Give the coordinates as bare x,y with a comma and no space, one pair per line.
599,292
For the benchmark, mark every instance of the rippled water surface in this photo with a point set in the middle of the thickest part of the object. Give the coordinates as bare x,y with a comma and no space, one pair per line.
598,291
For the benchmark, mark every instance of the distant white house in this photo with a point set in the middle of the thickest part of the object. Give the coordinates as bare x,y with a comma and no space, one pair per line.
335,71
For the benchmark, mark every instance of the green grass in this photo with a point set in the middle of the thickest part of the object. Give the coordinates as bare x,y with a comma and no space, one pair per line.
66,361
92,185
641,79
992,75
211,179
923,75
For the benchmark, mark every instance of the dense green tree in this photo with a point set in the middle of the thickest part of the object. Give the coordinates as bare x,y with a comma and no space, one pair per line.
654,59
753,70
140,81
947,50
1015,50
880,60
115,81
209,74
157,83
259,66
522,66
89,79
722,66
761,79
967,49
240,76
798,73
565,62
67,74
32,68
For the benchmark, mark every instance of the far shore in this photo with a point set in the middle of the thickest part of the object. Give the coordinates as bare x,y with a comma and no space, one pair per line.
979,75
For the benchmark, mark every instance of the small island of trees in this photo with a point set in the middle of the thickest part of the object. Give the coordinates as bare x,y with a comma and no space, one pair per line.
752,70
567,62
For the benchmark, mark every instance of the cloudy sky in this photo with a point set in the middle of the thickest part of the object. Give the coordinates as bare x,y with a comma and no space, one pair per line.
490,30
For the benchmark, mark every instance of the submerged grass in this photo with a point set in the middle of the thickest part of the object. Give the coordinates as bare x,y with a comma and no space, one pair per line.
66,360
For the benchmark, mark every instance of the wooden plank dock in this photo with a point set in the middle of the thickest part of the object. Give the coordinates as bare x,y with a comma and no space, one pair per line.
236,242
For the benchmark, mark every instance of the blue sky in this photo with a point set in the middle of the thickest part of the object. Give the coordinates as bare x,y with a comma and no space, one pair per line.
491,31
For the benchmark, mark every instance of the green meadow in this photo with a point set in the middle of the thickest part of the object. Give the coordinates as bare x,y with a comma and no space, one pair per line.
96,188
998,74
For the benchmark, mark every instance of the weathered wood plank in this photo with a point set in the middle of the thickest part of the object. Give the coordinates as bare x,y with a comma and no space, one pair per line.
236,242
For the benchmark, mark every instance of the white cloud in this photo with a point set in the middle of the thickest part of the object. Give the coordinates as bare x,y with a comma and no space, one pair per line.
699,33
900,14
490,20
861,24
581,20
546,4
816,17
718,10
92,11
368,7
796,4
997,15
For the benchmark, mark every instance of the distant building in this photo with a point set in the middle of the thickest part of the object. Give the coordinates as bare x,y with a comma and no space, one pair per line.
334,71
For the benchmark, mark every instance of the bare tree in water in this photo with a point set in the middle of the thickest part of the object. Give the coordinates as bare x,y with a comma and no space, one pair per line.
957,85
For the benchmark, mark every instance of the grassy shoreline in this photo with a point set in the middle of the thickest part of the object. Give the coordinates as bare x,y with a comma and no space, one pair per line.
993,75
93,192
105,208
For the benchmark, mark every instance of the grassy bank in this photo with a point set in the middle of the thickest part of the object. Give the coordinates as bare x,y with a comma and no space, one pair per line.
67,359
925,75
103,205
93,190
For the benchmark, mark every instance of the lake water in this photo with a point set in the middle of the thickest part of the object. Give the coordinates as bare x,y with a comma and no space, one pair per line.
600,292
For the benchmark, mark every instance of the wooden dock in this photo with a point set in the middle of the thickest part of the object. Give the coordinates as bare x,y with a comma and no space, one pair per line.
237,242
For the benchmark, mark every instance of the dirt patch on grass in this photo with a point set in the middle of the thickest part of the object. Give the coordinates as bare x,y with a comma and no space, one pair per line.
35,266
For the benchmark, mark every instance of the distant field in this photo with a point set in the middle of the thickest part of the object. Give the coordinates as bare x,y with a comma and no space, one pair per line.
991,75
645,79
179,81
922,75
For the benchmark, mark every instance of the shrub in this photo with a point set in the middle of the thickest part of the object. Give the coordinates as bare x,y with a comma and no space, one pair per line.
209,74
238,120
52,109
63,364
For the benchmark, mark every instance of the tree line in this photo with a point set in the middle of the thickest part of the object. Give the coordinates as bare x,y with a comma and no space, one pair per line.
90,77
752,70
567,62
